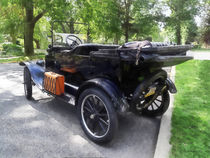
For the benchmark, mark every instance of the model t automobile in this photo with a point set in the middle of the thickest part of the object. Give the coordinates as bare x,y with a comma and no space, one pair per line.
104,80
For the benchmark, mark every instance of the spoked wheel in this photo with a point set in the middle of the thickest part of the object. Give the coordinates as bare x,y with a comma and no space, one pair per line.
97,115
27,83
159,106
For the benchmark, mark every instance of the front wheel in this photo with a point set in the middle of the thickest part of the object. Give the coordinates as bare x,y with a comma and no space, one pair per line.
27,83
97,115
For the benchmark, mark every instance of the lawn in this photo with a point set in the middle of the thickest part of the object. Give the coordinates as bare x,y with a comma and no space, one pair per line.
200,50
191,114
22,58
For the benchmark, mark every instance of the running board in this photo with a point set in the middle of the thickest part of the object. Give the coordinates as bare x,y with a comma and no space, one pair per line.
70,99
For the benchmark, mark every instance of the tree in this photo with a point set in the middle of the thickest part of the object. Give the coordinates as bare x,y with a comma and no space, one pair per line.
205,33
135,17
190,32
41,32
181,13
33,11
116,18
11,20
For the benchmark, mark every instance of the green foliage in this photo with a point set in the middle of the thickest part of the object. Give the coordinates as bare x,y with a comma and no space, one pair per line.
199,49
13,49
106,21
206,30
11,20
190,32
182,14
41,32
190,119
23,58
1,38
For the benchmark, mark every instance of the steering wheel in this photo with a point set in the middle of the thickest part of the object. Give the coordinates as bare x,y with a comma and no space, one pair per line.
73,41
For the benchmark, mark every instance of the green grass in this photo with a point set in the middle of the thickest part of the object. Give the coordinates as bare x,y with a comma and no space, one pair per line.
22,58
200,50
191,115
21,54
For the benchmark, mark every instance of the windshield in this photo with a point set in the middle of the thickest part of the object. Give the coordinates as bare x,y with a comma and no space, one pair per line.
68,33
62,38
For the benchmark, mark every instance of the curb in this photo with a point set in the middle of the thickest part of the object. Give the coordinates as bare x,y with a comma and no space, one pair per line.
163,147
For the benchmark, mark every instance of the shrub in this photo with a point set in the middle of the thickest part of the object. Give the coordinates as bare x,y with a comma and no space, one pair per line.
13,49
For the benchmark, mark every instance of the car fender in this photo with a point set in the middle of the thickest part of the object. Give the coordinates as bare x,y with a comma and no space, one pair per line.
161,74
171,86
37,73
110,88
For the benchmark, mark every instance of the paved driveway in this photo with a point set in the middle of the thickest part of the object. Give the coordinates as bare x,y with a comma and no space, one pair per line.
199,55
47,127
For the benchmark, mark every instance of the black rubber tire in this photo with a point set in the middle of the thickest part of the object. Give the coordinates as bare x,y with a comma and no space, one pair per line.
27,83
162,109
113,121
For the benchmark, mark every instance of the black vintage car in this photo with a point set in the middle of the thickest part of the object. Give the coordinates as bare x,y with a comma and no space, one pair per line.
104,80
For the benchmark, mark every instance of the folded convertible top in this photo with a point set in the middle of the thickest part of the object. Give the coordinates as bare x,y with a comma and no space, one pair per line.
145,52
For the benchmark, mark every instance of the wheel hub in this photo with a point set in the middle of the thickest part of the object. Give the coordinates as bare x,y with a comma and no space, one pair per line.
92,116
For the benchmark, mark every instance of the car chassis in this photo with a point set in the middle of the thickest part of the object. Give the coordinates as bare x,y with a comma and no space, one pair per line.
104,80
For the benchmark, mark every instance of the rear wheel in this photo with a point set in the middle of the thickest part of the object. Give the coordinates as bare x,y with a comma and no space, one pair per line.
97,115
27,83
159,106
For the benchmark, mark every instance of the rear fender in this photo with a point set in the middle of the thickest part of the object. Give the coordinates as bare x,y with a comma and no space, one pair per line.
171,86
158,75
37,73
110,89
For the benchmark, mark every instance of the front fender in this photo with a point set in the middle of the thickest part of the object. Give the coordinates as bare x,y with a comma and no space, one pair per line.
37,73
110,89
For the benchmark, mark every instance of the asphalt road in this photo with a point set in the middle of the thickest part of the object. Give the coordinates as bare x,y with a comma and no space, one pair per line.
199,55
46,127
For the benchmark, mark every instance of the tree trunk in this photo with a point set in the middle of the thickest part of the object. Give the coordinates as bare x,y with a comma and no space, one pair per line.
28,39
178,34
72,26
29,25
14,39
63,28
29,29
116,39
127,19
88,35
126,33
37,43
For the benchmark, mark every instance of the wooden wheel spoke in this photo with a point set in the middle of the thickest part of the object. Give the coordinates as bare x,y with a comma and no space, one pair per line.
101,125
103,121
152,106
158,100
87,109
92,124
97,101
101,115
90,105
96,104
87,115
156,104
